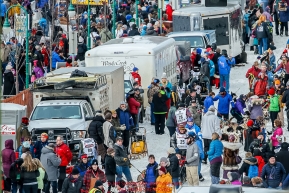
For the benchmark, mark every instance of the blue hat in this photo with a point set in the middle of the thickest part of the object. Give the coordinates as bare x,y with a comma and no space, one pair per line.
199,50
191,135
190,119
258,57
135,69
156,81
222,89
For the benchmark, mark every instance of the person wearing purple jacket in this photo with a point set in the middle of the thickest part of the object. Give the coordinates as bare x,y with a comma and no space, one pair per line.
38,69
8,157
240,104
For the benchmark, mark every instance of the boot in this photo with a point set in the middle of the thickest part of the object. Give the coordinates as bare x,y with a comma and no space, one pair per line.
281,33
286,33
256,51
251,48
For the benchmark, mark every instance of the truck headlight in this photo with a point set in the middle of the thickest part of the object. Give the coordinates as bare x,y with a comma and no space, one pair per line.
78,134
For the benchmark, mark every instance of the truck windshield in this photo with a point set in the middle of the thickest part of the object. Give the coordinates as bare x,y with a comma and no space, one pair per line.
196,41
57,112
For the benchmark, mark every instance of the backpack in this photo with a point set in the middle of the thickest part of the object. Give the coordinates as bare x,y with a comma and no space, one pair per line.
88,146
253,171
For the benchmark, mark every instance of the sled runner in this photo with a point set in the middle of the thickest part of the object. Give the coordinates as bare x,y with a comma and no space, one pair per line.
138,146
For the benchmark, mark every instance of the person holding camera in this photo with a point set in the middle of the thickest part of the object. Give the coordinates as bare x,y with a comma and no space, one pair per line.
261,144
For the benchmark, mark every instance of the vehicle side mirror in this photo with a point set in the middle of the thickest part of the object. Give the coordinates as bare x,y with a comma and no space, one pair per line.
214,46
141,91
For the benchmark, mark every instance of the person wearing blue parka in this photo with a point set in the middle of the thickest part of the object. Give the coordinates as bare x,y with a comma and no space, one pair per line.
224,103
151,174
3,10
285,185
209,101
192,127
215,157
83,165
56,57
225,64
283,19
273,174
199,143
126,119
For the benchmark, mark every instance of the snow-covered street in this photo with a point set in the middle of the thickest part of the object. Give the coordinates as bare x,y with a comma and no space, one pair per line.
158,144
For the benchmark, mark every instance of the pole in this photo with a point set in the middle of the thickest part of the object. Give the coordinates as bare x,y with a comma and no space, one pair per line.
113,17
26,52
136,13
88,25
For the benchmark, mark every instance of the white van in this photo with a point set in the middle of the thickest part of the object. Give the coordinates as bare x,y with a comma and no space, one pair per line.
152,55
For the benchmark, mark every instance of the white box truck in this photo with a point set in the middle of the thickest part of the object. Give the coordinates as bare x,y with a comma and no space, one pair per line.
152,55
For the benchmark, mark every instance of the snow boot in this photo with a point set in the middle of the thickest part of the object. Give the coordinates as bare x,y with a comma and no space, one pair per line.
286,33
201,179
281,33
251,48
256,51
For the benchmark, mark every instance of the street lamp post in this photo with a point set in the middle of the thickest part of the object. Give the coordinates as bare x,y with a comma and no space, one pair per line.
136,13
113,17
88,25
7,25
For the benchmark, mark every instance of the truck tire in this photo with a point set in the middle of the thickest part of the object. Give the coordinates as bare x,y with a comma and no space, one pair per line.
65,84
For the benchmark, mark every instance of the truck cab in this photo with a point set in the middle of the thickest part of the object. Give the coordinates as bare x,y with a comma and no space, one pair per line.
49,116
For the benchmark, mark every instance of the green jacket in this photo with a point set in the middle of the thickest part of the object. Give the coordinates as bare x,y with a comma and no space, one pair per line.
274,103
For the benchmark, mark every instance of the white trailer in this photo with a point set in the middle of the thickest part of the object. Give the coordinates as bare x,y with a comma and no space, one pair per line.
152,55
225,20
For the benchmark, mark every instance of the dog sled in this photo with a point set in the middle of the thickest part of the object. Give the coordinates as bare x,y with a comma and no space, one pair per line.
138,146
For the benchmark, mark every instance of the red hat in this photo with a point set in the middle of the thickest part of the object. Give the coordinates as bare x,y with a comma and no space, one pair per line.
271,91
250,123
83,156
209,49
45,135
284,51
163,169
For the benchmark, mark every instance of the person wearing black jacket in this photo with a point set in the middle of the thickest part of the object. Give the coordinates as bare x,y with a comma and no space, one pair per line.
134,31
193,97
283,155
29,174
73,182
261,144
110,168
174,168
285,99
14,173
160,110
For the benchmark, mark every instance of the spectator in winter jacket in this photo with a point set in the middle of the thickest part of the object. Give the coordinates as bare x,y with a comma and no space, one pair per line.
151,174
272,59
50,162
164,181
122,161
126,119
57,57
215,157
285,185
160,109
196,113
192,160
133,31
173,168
234,178
110,168
252,73
81,49
277,134
73,182
247,162
260,161
14,172
240,104
42,178
40,144
152,89
199,143
29,174
209,101
134,106
283,19
261,145
224,64
282,156
262,34
210,125
273,174
192,127
64,153
120,186
285,66
38,69
8,157
93,172
171,123
224,103
274,106
46,54
108,131
169,11
83,165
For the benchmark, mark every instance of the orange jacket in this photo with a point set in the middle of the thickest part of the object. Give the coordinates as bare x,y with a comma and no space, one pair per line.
164,183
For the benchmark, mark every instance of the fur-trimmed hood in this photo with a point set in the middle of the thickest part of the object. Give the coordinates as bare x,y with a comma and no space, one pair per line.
251,161
232,146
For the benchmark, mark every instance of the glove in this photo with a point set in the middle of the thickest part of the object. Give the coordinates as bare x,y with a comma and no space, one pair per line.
168,89
129,166
125,159
123,127
186,162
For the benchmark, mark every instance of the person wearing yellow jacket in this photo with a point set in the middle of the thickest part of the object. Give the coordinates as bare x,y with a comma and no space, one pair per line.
14,10
164,181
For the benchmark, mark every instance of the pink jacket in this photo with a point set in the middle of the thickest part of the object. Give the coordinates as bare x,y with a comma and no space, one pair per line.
279,132
285,67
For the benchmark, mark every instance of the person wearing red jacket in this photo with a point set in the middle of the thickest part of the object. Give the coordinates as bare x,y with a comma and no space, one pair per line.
134,106
210,53
64,153
136,76
45,54
169,11
253,73
193,57
285,66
